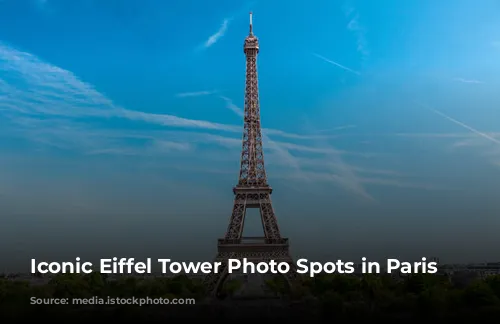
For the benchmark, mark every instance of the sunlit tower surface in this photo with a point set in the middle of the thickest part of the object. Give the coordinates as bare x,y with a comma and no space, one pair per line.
252,190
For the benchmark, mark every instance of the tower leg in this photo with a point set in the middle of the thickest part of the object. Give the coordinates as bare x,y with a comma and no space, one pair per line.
269,219
235,228
215,281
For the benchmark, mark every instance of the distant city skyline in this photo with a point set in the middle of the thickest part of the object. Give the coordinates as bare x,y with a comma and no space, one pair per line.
120,126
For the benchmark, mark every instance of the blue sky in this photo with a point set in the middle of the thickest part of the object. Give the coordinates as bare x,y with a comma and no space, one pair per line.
120,128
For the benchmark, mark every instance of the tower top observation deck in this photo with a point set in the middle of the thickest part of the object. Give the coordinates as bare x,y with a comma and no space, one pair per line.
251,46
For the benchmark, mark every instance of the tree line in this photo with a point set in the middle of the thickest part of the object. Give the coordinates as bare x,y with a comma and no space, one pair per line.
326,296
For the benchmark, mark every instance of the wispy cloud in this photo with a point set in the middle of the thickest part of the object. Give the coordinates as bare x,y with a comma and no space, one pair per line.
55,92
433,135
468,80
464,140
325,177
321,163
464,135
231,106
470,128
36,94
195,94
354,25
238,111
473,138
336,64
218,35
339,172
495,44
54,108
334,129
343,173
347,177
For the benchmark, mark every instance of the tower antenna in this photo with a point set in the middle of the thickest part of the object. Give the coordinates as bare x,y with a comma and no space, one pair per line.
251,31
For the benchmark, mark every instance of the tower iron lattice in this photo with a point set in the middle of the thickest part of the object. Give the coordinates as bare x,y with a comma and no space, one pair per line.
252,191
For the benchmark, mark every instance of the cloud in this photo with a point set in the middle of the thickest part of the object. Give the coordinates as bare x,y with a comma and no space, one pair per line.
463,140
340,173
321,163
495,44
482,148
472,138
358,30
336,64
335,129
327,169
492,153
343,173
53,108
469,128
41,97
347,179
56,92
324,177
468,81
434,135
218,35
231,106
195,94
464,143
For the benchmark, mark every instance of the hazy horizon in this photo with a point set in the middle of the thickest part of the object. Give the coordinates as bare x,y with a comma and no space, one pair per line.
120,129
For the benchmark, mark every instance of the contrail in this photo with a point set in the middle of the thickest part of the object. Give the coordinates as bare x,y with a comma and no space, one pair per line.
475,131
468,81
336,64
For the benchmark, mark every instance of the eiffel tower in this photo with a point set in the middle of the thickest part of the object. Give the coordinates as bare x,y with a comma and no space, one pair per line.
252,191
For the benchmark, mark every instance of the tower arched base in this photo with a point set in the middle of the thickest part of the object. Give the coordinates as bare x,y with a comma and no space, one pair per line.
253,253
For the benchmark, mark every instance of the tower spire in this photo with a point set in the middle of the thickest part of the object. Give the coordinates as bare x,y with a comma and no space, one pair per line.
251,28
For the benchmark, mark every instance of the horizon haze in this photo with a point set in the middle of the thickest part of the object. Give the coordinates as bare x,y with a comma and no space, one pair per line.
120,127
